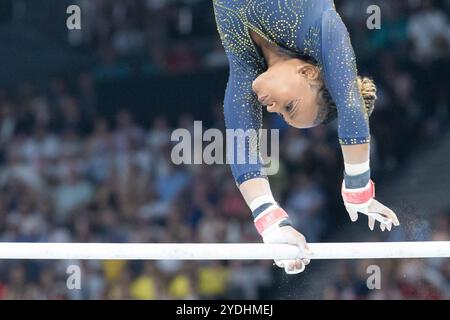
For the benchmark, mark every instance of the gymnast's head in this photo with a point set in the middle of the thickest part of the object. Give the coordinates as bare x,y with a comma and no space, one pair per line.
295,89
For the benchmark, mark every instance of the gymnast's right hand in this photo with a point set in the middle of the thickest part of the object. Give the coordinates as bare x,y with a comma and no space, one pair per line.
274,227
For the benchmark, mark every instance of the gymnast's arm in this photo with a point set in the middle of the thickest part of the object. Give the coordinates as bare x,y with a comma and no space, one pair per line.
340,76
243,112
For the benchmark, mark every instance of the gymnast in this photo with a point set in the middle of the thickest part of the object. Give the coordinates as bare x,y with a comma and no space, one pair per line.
295,58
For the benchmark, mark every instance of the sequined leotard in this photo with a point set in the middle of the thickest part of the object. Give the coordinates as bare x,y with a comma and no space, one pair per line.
304,27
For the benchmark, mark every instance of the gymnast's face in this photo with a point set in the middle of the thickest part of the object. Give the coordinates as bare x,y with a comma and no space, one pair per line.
290,88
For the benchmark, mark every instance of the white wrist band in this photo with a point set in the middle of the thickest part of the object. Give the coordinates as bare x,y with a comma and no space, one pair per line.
256,203
356,169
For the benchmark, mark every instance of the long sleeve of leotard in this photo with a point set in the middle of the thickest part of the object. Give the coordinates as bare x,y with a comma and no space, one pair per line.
242,111
243,119
340,75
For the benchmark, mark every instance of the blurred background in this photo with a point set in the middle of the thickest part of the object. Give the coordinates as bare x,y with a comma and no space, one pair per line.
85,123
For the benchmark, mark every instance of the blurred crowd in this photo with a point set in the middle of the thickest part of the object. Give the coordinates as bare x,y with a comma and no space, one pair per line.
111,185
70,174
151,36
401,278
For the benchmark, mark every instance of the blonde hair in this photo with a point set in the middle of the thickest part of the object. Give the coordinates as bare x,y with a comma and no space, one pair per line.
327,107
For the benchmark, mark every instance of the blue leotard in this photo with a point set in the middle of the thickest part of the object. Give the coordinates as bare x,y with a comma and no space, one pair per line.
305,27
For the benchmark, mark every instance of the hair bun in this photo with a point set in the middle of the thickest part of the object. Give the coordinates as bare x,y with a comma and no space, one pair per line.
368,91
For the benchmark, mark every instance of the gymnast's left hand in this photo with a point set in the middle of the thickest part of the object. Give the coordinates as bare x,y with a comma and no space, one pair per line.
362,201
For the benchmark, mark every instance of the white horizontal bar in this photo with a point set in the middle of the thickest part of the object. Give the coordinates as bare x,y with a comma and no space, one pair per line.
221,251
380,250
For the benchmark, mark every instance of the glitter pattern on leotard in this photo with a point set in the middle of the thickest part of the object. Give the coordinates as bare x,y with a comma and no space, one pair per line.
302,27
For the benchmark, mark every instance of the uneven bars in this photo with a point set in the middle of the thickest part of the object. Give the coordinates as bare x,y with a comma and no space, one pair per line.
221,251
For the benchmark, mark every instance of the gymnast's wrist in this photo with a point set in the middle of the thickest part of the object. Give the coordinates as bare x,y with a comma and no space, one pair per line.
358,189
356,176
267,214
358,197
